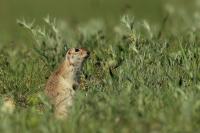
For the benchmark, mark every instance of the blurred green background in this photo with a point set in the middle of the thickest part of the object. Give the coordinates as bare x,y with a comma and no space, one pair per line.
76,11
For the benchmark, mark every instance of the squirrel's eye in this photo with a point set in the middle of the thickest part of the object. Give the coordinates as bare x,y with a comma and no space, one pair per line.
76,49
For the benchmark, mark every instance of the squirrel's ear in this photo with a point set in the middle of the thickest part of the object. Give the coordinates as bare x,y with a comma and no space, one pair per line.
68,54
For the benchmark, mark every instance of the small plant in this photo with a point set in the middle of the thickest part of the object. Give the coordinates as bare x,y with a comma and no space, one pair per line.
132,35
136,31
50,44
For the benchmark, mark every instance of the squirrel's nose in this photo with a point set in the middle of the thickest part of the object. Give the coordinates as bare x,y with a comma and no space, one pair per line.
88,53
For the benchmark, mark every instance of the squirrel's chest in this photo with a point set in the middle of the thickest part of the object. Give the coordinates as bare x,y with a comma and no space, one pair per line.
67,88
67,83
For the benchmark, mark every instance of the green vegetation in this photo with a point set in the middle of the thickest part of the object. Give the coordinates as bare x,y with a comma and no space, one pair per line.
140,77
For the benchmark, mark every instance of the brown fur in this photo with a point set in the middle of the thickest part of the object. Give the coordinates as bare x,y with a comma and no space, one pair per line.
59,87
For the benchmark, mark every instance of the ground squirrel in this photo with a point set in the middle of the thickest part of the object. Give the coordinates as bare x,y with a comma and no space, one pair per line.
62,83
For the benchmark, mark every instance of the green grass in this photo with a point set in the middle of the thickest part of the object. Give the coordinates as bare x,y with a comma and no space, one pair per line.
140,77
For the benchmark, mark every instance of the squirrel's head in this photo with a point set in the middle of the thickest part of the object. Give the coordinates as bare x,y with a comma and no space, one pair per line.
76,56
